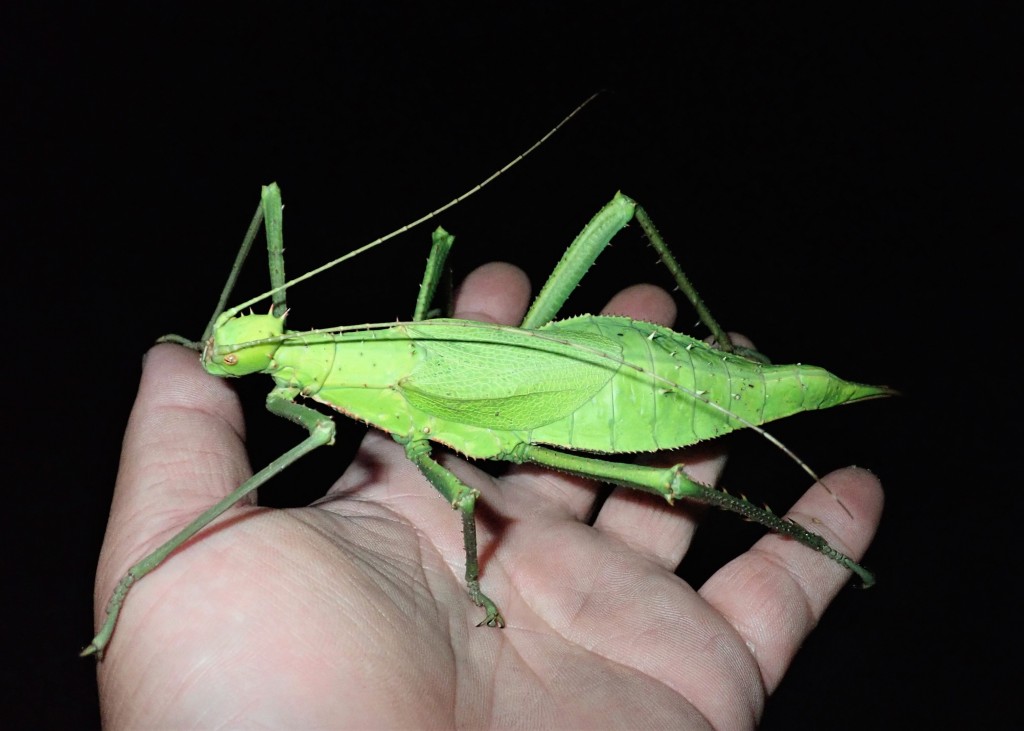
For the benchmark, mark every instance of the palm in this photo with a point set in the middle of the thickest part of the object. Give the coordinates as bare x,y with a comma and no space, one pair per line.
353,612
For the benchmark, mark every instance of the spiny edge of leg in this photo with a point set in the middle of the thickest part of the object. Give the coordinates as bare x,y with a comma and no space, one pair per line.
783,526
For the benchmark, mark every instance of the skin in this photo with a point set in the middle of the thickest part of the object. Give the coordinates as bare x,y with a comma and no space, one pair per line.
352,613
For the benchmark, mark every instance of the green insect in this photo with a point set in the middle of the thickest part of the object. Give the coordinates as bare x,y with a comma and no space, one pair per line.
547,392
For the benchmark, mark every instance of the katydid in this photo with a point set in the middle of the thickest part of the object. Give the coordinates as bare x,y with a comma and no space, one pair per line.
543,393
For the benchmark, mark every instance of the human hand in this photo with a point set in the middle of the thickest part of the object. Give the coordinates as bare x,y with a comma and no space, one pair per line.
353,612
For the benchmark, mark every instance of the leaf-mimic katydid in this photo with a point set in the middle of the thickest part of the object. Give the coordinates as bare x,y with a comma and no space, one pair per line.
555,393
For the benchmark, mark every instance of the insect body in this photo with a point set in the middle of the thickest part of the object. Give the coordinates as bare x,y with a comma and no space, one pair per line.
590,383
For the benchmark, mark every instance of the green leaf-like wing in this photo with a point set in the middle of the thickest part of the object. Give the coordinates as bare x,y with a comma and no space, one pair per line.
505,379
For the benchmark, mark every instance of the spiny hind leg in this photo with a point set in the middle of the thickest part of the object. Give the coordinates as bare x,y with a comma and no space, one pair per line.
672,484
686,287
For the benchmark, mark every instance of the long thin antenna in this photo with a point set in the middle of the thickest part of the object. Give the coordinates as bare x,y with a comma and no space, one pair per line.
480,186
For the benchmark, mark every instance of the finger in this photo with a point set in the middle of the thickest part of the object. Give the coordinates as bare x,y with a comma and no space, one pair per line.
183,450
495,292
775,593
643,302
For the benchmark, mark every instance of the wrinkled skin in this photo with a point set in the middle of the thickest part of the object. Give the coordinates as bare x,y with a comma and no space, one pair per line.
352,613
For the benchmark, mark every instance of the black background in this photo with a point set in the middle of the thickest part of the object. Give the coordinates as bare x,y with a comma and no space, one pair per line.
838,182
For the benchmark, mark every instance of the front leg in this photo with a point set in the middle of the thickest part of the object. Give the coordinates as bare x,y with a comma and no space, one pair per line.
279,401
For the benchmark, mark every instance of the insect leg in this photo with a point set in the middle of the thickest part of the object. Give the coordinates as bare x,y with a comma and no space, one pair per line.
577,259
273,214
279,401
434,274
462,498
672,483
585,249
686,286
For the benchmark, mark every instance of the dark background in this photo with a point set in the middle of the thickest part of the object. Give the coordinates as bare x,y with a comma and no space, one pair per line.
838,182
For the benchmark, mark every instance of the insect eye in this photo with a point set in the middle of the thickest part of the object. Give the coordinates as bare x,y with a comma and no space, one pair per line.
230,359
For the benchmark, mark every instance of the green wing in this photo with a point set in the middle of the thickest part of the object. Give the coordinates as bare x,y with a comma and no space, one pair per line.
505,379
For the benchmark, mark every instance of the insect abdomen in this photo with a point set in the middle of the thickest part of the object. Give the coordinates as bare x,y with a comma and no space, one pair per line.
672,391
